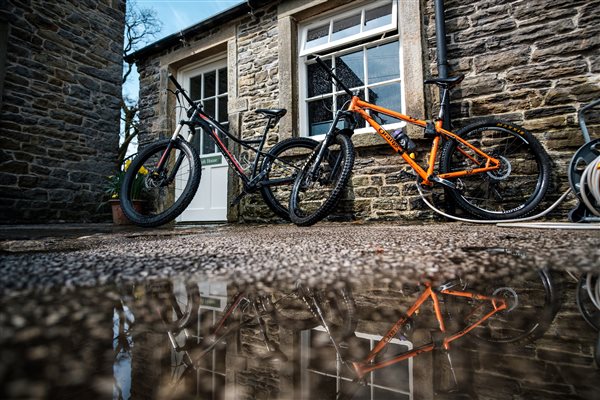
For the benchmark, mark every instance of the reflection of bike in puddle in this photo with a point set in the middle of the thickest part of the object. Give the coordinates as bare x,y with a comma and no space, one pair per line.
204,322
240,331
507,310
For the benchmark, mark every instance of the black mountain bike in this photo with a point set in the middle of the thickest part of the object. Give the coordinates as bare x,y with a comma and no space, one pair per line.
168,170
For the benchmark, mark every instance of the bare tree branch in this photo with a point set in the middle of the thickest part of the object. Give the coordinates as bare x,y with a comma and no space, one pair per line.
141,25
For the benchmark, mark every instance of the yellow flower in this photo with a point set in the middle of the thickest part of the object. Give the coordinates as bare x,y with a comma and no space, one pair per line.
127,163
143,171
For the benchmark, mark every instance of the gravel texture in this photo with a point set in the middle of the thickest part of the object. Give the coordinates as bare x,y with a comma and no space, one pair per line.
324,253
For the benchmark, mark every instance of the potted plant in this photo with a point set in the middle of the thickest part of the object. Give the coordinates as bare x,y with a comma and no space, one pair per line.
113,190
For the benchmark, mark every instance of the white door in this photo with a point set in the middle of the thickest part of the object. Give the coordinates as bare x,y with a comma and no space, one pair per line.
209,84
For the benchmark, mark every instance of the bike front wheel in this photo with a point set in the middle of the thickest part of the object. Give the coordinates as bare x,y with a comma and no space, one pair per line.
281,166
319,186
165,193
512,191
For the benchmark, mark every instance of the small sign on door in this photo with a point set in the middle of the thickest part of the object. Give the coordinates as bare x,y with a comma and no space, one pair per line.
211,160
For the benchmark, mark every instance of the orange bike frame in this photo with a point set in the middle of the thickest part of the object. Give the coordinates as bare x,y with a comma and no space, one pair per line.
487,164
365,366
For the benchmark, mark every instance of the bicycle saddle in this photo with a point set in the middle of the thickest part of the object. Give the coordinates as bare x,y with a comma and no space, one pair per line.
275,112
446,82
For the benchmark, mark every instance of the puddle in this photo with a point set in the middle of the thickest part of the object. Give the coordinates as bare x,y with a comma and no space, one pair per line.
193,337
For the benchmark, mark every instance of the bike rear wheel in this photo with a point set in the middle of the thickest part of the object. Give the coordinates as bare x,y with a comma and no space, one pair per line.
166,193
319,186
532,302
514,190
281,166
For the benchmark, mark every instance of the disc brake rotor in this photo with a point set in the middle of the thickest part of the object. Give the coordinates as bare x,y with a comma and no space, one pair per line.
503,172
509,295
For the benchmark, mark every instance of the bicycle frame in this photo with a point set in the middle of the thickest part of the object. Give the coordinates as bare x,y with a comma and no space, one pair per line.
488,163
198,118
367,365
360,107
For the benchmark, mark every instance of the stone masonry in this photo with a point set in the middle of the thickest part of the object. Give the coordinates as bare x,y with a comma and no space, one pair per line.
59,120
533,63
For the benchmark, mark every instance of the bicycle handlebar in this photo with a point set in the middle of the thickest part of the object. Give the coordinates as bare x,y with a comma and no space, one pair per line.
334,76
181,90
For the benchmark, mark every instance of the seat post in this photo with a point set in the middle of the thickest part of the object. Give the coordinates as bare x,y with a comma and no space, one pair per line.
443,103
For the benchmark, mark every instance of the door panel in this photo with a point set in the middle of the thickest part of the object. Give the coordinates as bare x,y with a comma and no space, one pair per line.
209,84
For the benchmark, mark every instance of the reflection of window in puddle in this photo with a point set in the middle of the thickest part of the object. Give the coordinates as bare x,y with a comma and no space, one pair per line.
323,372
208,381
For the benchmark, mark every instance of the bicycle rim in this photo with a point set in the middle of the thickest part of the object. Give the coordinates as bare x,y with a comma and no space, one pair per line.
320,184
531,300
166,193
512,191
282,165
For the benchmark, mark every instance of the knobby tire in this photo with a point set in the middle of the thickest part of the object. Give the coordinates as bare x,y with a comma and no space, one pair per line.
285,159
307,187
158,210
516,189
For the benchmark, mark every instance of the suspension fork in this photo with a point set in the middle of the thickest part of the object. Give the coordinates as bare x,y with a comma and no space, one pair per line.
314,168
161,165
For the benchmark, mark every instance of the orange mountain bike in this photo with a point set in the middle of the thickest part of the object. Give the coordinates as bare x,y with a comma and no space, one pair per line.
501,311
492,169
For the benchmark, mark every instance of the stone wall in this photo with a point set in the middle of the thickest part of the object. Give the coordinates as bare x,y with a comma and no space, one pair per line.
59,120
533,63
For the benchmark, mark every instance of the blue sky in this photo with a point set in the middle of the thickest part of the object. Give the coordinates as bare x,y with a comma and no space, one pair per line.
177,15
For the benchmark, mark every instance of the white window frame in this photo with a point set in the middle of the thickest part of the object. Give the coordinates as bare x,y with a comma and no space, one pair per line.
373,340
360,37
201,68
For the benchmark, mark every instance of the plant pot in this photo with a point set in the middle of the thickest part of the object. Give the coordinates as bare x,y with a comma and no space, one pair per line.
119,218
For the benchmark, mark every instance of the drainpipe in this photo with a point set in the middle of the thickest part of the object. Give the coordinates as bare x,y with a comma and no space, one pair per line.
442,59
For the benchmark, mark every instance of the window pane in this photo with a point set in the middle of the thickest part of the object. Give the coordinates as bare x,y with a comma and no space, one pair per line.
346,27
222,116
223,80
208,144
340,102
350,69
196,87
377,17
386,394
209,107
395,376
383,62
317,36
387,96
210,83
318,80
320,116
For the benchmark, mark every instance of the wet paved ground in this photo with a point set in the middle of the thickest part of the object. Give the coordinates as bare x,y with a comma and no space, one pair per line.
79,311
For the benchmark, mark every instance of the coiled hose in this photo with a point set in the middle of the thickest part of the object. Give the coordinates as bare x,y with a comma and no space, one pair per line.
590,179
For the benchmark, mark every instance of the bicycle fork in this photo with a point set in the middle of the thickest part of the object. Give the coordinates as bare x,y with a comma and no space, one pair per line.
161,165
